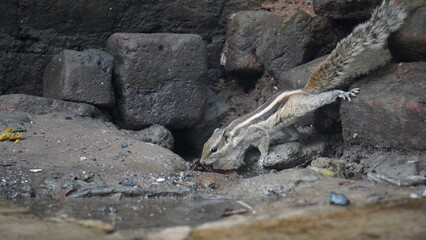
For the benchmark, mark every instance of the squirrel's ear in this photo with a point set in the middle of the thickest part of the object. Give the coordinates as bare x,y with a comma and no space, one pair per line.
225,136
215,130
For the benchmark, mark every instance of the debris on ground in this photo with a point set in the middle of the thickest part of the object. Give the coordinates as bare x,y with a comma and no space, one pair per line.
9,134
338,199
324,172
230,212
408,181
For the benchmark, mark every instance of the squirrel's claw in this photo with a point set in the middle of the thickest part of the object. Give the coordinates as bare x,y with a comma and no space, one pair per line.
348,95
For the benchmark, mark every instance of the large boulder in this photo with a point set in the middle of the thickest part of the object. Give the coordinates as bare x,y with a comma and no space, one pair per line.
344,9
159,78
302,39
80,77
390,111
409,43
247,33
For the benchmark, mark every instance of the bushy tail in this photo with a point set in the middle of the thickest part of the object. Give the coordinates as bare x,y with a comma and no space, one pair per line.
386,18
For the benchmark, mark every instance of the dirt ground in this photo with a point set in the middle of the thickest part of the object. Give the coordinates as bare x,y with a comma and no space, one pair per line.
76,169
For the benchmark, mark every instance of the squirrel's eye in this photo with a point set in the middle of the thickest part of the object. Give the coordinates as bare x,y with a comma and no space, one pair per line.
214,149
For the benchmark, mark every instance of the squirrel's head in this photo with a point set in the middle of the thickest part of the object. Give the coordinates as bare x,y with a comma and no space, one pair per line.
223,151
215,147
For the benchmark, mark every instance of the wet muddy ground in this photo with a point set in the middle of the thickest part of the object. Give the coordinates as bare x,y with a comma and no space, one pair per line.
145,219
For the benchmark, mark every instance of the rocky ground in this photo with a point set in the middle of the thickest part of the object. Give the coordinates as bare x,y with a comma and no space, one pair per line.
84,161
73,171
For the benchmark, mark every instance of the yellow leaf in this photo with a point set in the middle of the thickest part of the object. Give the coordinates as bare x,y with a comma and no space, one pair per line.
8,134
5,134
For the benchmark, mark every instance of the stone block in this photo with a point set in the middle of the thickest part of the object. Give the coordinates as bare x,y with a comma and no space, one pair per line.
248,32
80,77
302,39
159,78
409,43
390,111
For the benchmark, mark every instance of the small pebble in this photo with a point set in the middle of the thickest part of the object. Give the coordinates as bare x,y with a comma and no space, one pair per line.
86,176
338,199
212,186
126,182
161,179
170,176
36,170
110,209
68,118
124,145
414,195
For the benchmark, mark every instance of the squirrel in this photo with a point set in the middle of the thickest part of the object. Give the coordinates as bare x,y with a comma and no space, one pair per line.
271,123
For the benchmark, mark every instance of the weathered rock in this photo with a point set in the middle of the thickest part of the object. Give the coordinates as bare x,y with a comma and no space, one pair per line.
390,110
80,77
302,39
344,9
247,33
40,105
363,64
409,43
273,185
391,163
291,154
157,134
216,110
159,78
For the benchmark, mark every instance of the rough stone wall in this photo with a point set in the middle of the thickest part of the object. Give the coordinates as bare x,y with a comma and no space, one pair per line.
32,31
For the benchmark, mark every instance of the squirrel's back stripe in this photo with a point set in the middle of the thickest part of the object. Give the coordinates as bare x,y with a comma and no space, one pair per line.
261,113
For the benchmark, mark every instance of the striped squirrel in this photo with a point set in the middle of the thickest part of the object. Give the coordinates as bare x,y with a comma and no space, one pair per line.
271,123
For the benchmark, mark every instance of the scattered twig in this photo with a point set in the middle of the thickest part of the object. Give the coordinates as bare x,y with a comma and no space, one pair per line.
231,212
410,180
244,204
182,183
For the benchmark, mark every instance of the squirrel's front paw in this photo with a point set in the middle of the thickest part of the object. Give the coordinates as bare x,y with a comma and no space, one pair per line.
349,94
